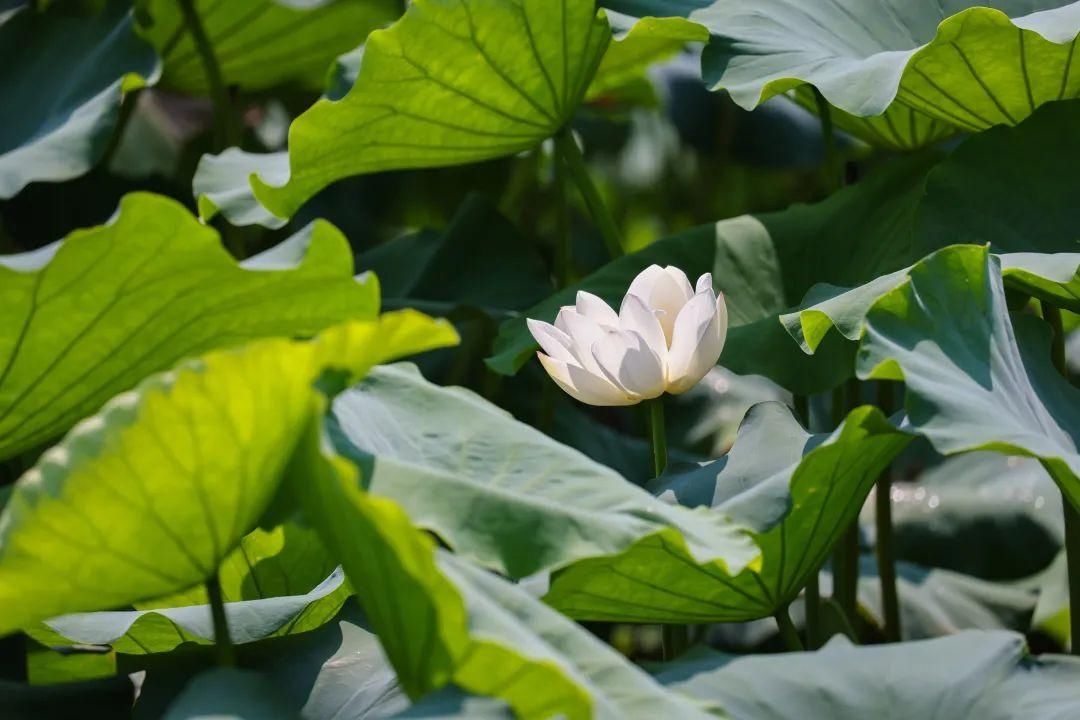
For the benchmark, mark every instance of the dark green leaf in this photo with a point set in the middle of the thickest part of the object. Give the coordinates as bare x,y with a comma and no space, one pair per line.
65,73
973,382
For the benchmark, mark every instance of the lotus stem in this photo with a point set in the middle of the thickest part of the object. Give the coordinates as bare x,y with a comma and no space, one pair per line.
226,654
828,136
563,254
566,147
884,545
788,632
675,638
658,435
1052,315
846,554
225,131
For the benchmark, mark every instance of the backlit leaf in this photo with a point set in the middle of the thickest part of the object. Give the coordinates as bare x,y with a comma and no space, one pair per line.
88,317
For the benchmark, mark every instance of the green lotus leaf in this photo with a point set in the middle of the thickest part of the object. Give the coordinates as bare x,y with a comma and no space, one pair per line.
966,66
147,497
62,92
436,451
277,582
449,83
765,264
441,619
967,199
229,694
259,44
968,676
1055,276
976,379
88,317
648,41
798,491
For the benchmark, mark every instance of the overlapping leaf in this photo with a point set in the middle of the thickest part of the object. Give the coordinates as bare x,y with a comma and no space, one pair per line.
449,83
88,317
648,41
277,582
507,496
969,676
147,497
898,64
442,620
259,44
65,73
798,491
976,378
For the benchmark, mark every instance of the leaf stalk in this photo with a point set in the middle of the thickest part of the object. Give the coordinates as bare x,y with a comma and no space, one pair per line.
788,632
226,653
566,148
1052,315
225,131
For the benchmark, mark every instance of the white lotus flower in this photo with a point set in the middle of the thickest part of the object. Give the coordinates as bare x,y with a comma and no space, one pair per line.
665,338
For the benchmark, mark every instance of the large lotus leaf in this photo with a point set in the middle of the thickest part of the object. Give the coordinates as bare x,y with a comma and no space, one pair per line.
88,317
449,83
441,620
800,492
976,379
277,582
970,676
968,66
147,497
507,496
765,264
65,73
261,43
1007,187
229,694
